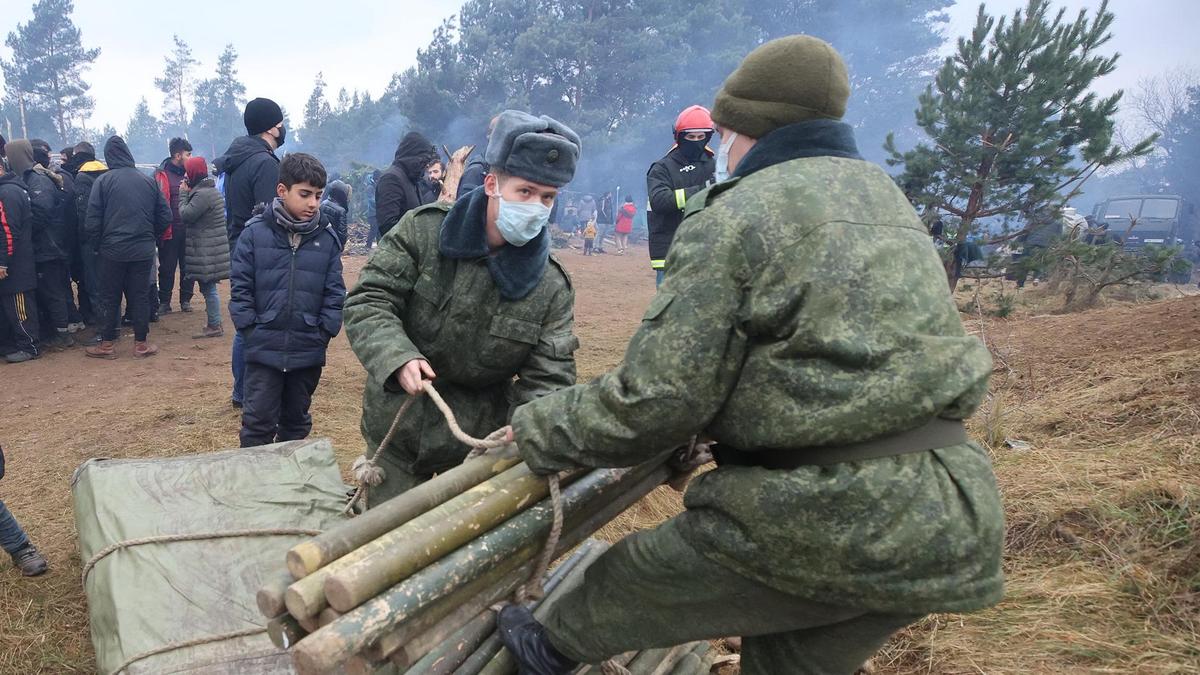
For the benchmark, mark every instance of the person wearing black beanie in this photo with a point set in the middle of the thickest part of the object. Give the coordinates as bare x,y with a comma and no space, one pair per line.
251,173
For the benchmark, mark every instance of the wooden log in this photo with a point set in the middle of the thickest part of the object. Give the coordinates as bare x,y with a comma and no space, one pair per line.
492,645
285,631
673,656
412,547
328,616
309,556
503,662
324,649
649,660
696,660
407,647
269,598
306,597
450,654
461,605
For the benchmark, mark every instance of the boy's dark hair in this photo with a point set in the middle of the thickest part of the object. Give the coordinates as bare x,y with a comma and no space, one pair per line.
301,167
179,145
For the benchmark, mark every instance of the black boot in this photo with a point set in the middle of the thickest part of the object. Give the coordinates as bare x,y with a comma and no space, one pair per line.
526,640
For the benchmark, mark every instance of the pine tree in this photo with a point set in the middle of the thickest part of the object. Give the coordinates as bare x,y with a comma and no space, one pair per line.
1013,126
144,134
217,118
176,85
45,75
1181,141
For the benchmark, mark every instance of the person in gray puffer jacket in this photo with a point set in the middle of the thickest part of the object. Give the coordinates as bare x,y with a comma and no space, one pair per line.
202,211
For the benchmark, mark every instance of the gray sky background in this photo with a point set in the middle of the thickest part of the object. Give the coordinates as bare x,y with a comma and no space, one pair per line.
359,44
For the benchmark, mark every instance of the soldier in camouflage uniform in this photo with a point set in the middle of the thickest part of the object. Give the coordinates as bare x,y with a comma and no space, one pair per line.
804,325
467,294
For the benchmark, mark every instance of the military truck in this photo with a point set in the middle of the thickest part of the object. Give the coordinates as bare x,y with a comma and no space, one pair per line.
1163,220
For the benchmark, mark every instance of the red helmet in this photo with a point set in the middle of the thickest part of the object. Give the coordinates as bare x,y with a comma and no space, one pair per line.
695,118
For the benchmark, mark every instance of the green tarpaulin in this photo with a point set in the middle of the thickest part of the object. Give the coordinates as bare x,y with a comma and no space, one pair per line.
151,596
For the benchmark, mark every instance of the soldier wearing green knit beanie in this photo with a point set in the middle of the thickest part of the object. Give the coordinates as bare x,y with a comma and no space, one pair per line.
804,326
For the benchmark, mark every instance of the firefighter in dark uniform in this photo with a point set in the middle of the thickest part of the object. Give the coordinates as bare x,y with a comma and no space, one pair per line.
684,171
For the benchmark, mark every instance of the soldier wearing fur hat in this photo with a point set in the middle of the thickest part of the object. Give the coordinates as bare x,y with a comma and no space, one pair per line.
467,295
804,326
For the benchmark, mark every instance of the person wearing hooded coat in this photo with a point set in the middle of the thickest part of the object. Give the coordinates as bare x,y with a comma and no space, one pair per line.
86,169
397,192
126,215
251,172
206,248
18,305
335,209
45,198
66,232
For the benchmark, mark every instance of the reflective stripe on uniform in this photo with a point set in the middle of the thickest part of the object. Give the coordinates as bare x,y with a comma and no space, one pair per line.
658,264
680,198
19,301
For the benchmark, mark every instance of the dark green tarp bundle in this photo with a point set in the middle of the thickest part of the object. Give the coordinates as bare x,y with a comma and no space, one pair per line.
158,596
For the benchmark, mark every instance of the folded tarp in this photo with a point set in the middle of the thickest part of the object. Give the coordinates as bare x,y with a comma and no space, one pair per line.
160,595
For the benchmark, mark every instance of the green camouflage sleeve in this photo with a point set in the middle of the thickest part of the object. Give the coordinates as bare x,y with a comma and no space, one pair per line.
678,370
551,365
374,308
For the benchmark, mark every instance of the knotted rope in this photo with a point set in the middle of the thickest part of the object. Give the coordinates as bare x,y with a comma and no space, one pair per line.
368,473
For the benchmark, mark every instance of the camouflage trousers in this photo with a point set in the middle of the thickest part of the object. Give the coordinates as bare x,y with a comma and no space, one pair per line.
654,589
396,481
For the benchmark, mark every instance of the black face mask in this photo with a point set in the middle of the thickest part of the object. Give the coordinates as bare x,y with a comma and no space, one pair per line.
282,136
692,150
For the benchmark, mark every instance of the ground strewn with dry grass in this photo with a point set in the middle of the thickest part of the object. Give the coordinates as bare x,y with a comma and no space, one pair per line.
1103,546
1104,532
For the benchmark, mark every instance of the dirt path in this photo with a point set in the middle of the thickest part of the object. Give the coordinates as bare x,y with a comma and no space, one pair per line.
61,410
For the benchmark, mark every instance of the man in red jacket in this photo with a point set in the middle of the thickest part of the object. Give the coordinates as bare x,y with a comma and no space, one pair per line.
171,246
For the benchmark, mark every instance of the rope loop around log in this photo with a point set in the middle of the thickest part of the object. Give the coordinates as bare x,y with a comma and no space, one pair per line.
364,466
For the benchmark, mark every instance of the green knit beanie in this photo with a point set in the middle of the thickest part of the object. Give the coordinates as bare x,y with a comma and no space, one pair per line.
788,80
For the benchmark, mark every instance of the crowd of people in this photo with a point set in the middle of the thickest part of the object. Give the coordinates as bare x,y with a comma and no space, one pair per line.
802,338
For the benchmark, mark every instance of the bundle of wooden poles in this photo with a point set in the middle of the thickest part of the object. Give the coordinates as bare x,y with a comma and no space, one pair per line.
408,586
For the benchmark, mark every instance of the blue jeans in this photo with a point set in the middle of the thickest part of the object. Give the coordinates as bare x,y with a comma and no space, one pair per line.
658,277
212,302
239,366
12,537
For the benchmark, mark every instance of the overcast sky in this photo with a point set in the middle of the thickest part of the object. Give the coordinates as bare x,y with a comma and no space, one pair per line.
359,44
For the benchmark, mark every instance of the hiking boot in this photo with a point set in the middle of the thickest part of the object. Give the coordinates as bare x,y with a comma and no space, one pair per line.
19,357
210,332
185,307
30,562
527,641
105,350
164,308
144,349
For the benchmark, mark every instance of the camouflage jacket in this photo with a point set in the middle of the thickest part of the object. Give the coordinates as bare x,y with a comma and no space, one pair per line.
804,305
490,354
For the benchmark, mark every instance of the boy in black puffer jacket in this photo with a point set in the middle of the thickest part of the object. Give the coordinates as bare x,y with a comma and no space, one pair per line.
286,295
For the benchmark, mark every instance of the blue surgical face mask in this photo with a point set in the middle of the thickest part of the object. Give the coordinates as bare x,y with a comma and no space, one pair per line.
520,222
722,170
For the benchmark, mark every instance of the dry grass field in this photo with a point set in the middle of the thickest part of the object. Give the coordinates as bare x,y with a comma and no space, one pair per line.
1102,497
